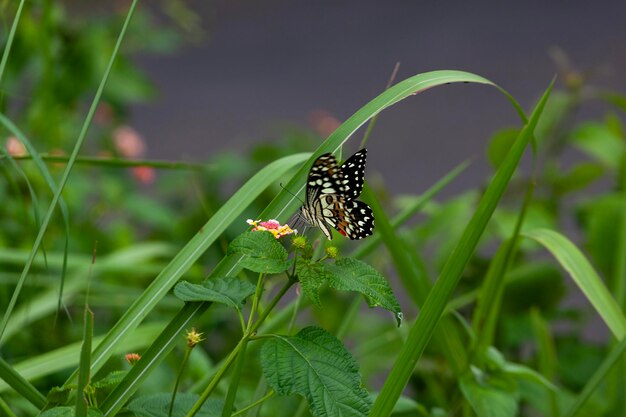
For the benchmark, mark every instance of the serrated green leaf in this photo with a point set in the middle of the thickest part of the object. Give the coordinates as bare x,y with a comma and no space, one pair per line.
491,396
261,252
231,291
58,395
68,412
316,365
311,275
157,405
348,274
110,380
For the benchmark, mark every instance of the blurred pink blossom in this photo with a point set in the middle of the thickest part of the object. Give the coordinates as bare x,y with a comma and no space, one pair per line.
128,142
323,122
144,174
14,147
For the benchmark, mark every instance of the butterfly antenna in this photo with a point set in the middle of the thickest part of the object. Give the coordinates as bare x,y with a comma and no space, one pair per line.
281,186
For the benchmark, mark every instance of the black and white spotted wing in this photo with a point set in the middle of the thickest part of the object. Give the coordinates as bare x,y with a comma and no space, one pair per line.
353,171
331,193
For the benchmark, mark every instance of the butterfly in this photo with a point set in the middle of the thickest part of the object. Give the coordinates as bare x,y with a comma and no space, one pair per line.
331,193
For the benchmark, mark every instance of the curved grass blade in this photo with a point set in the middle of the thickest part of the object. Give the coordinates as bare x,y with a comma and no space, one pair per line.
435,303
584,276
189,254
66,174
126,259
285,203
10,377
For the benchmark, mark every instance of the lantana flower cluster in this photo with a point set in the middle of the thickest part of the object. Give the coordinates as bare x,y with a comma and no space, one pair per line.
272,226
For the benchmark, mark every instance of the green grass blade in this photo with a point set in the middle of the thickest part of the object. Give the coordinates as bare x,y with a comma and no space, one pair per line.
9,44
416,284
487,311
546,352
67,357
85,361
584,276
189,254
609,363
13,379
434,305
114,162
124,260
66,174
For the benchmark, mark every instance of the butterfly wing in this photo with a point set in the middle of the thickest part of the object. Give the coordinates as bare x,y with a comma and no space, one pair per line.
325,177
353,170
331,193
352,218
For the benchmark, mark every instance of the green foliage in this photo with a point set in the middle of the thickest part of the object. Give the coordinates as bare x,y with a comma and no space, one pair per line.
229,290
349,274
315,365
260,252
157,405
507,338
69,412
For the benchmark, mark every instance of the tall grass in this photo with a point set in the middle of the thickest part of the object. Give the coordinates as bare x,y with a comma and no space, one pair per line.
475,378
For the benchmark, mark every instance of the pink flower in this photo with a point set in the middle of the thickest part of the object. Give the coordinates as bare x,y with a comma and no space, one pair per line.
323,122
272,226
143,174
15,147
128,142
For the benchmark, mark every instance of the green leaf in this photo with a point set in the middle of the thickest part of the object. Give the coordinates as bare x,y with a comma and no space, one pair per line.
312,276
583,274
157,405
231,291
600,142
316,365
490,396
348,274
601,217
261,252
68,412
112,379
578,177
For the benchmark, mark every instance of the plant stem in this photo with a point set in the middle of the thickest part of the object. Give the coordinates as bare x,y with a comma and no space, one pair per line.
266,397
240,346
114,162
178,378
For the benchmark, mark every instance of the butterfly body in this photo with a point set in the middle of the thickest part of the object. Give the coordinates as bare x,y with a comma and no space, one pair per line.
331,193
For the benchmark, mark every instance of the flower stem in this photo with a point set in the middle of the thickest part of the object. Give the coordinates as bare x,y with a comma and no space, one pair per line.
252,328
178,378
